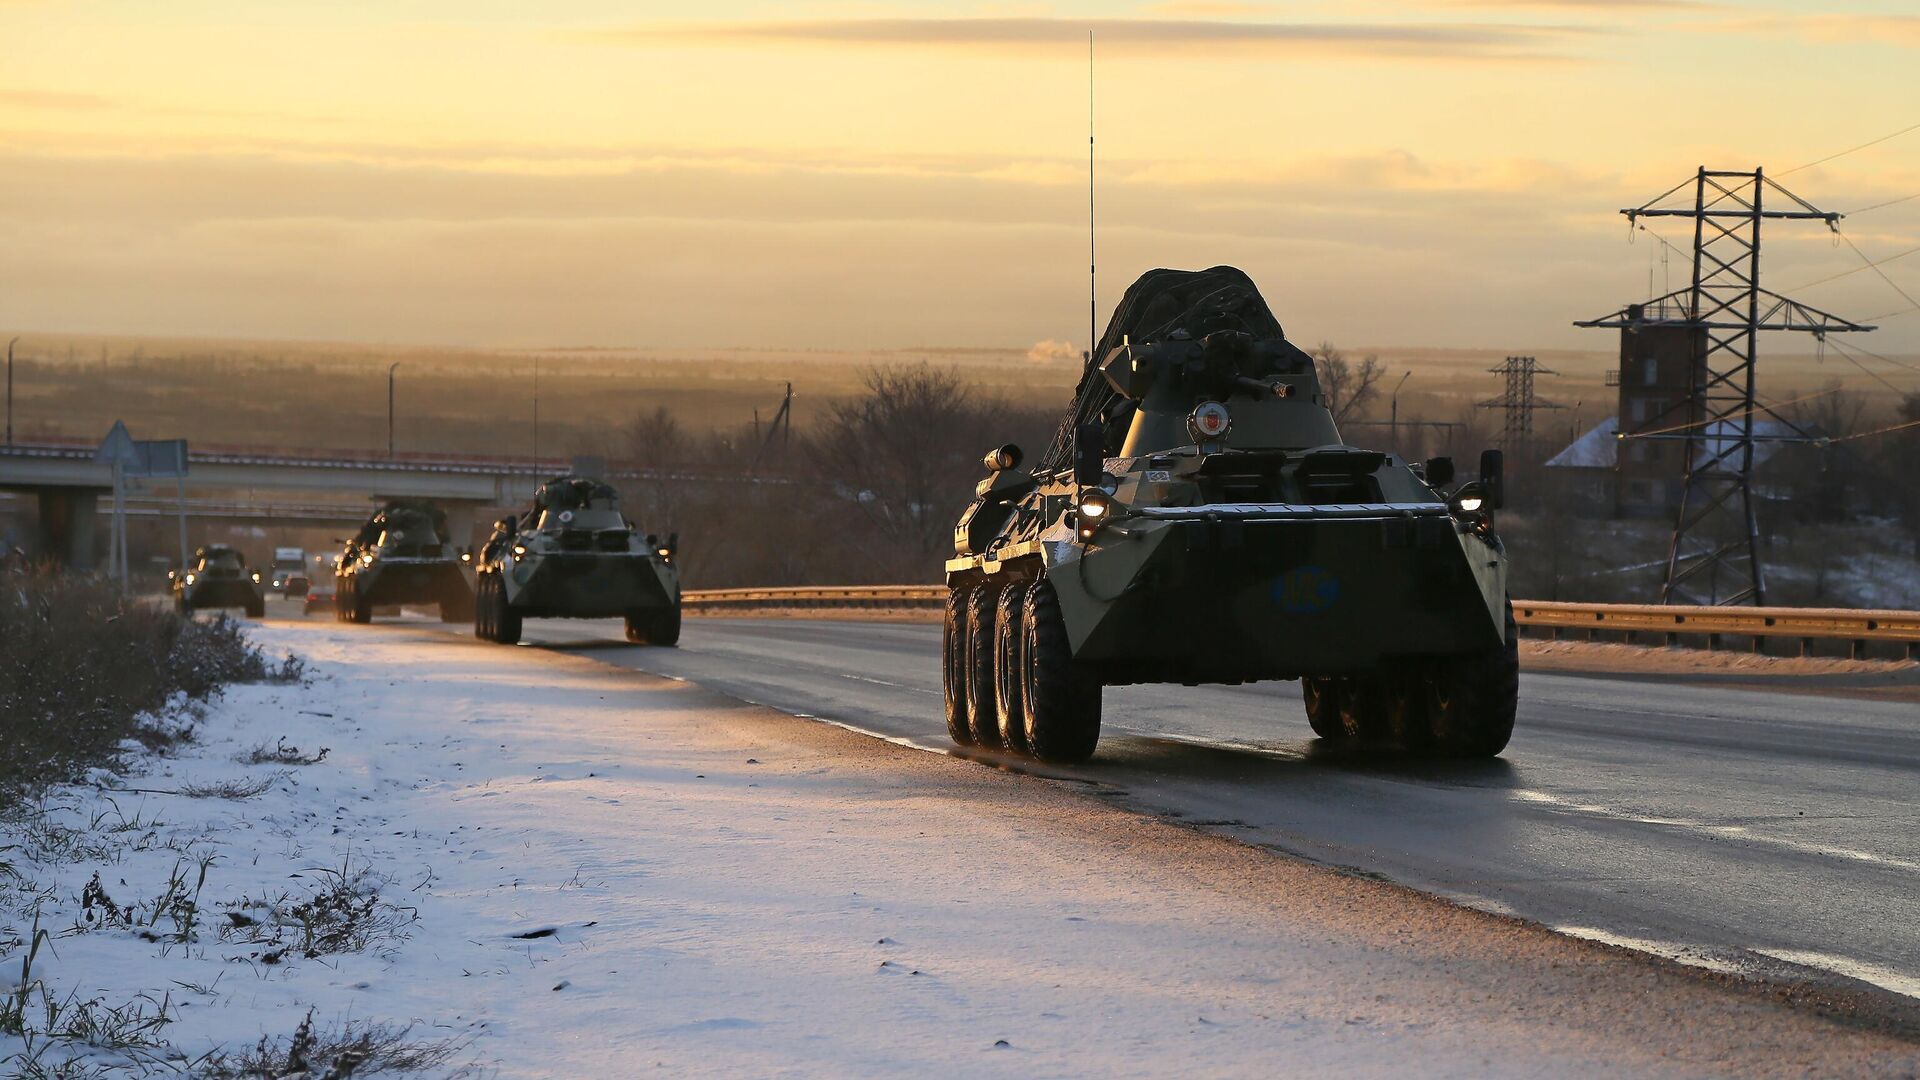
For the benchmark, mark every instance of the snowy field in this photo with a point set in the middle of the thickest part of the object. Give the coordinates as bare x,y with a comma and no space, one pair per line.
532,864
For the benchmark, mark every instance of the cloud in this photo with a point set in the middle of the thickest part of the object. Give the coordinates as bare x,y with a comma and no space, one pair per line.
53,99
1634,7
1843,27
1049,351
1134,37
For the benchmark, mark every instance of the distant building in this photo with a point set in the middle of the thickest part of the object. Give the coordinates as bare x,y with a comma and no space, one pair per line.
1660,360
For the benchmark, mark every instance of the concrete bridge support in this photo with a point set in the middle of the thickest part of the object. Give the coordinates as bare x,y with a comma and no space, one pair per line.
67,517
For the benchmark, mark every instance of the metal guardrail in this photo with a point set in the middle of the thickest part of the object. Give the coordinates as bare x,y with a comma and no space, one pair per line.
1856,627
1671,625
839,596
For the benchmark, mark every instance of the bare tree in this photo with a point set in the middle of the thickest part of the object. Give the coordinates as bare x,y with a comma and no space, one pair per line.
906,454
655,438
1349,387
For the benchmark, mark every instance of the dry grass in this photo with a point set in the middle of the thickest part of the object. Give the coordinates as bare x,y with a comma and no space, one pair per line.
81,664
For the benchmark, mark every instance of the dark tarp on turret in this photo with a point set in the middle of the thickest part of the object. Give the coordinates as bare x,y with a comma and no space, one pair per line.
1159,303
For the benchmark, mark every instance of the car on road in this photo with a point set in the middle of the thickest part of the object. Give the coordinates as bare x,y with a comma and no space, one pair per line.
401,555
1199,519
319,598
218,577
574,555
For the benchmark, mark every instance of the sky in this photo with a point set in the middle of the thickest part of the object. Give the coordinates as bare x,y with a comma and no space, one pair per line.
880,175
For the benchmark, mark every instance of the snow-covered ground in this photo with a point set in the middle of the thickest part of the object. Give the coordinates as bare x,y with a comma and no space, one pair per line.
550,867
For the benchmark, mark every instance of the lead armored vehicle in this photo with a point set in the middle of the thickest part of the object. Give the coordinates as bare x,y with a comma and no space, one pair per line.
573,555
402,555
1198,519
218,578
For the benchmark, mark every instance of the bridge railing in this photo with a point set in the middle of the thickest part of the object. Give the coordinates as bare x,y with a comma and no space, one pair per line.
1653,623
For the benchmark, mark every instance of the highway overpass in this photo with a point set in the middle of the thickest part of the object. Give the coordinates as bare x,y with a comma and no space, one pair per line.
69,484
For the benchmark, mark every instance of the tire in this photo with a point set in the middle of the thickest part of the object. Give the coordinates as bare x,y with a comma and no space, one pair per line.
1322,699
358,609
1010,667
667,627
1471,700
1062,697
1363,709
1408,723
483,608
506,621
654,627
953,666
257,608
982,715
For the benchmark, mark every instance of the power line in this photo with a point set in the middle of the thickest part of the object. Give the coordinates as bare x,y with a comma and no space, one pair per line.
1879,431
1855,270
1875,267
1850,150
1870,373
1883,359
1880,205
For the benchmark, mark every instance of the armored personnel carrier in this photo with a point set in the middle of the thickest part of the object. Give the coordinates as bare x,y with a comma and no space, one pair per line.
574,556
218,578
1197,519
402,555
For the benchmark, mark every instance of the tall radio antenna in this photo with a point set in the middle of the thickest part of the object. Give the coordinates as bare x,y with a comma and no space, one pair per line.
1093,292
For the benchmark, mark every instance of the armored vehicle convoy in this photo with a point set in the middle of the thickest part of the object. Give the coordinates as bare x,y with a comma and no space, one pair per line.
1197,519
574,556
218,578
402,555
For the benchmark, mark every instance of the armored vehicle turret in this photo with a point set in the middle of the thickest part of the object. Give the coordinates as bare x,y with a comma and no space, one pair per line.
573,555
1198,519
402,555
218,577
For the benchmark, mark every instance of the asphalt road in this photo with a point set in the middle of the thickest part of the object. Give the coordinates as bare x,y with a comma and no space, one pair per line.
1765,833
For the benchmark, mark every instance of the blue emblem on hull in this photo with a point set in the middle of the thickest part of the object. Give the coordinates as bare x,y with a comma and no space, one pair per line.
1306,590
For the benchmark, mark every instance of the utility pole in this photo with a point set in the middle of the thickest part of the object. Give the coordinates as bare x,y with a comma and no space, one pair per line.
390,369
1393,412
10,345
1722,310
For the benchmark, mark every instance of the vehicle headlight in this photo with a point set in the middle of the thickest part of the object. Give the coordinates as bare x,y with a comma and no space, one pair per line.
1094,508
366,560
466,556
1470,499
256,578
519,550
189,579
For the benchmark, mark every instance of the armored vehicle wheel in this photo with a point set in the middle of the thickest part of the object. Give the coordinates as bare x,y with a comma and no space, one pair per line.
1062,697
1471,699
182,605
359,610
1322,698
1407,722
483,616
506,621
1010,667
654,627
257,608
953,664
1363,709
982,715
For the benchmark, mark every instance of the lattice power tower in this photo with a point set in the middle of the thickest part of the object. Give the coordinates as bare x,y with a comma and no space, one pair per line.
1519,401
1716,533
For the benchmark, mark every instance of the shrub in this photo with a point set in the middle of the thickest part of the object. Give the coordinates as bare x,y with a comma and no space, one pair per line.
80,661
